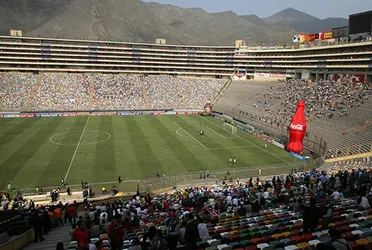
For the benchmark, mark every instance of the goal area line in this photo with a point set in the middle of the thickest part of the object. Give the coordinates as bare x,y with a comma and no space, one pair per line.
205,147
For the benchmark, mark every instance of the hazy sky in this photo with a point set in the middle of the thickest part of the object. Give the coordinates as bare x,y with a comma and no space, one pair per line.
264,8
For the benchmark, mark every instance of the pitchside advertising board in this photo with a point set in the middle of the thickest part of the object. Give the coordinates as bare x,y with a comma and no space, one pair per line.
119,113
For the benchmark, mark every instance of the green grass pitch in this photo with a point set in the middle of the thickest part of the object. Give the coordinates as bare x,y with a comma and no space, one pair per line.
41,151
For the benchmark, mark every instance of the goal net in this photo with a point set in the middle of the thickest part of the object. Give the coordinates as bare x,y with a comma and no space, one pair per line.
230,128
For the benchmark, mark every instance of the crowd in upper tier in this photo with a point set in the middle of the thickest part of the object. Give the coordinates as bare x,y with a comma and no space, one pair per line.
80,92
325,98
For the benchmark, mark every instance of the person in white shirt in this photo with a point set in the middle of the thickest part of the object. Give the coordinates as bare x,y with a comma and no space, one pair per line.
336,195
364,203
203,229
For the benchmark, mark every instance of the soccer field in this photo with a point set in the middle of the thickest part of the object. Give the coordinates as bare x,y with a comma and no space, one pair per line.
38,152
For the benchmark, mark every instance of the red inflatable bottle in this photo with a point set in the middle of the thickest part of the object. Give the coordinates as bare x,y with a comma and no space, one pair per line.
297,129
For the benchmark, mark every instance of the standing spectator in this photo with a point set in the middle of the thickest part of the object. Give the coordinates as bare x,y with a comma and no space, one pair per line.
81,237
173,232
71,214
37,223
158,243
58,216
116,233
192,232
311,217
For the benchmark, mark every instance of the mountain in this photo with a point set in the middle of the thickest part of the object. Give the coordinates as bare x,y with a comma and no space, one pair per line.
221,28
302,22
135,21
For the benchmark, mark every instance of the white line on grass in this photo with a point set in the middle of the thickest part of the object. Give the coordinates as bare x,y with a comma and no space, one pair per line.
250,143
262,149
76,149
237,147
216,132
201,144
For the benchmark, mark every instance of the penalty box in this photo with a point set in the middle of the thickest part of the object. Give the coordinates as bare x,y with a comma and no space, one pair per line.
214,138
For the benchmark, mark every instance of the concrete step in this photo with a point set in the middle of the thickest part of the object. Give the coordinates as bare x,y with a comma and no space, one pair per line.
59,234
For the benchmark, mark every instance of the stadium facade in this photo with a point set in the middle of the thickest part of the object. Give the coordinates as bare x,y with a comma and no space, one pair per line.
64,55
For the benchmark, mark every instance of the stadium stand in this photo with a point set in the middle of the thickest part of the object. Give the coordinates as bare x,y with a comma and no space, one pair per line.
271,213
252,214
337,110
81,92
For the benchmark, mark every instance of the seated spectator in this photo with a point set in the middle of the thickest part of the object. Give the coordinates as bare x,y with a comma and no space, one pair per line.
135,245
60,246
337,242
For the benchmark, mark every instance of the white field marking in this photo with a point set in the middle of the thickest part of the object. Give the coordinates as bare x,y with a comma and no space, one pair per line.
237,147
216,132
76,149
201,144
218,127
262,149
84,144
185,136
251,143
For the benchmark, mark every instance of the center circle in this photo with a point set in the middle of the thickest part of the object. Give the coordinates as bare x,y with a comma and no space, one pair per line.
72,138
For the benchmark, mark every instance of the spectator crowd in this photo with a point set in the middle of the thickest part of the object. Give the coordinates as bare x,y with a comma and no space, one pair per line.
81,92
326,98
185,217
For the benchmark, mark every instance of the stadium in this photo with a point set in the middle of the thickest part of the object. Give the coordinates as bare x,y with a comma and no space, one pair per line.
188,121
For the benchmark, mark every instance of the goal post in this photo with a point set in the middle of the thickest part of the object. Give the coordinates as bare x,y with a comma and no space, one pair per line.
230,128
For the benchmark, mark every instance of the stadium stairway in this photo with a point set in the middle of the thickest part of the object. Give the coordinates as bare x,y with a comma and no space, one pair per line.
59,234
227,84
145,96
91,89
35,90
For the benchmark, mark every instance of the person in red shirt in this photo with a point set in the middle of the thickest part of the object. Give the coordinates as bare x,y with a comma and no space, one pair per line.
116,233
71,214
81,237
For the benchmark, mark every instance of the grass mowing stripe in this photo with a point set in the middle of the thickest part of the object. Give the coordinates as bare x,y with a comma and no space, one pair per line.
127,165
194,126
58,164
223,154
145,156
244,138
174,145
38,164
105,153
13,164
15,131
158,144
7,124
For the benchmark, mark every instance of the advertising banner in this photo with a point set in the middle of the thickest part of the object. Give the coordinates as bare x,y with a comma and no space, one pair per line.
279,145
11,115
304,38
325,35
262,74
240,77
300,157
125,113
83,114
349,78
